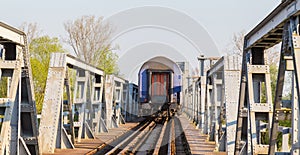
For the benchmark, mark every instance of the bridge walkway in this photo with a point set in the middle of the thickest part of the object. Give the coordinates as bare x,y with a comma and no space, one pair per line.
89,146
198,142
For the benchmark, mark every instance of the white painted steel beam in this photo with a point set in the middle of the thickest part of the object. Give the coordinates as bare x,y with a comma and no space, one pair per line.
83,65
9,33
229,67
271,27
216,67
119,79
51,126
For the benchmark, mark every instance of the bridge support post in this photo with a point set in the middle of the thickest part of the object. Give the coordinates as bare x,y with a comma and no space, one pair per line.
257,75
52,133
132,110
289,61
224,76
202,102
207,129
84,114
295,149
131,104
113,100
216,106
231,86
194,104
125,101
19,129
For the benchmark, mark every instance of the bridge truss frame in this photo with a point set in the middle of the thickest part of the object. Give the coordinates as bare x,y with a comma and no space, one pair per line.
87,100
19,130
97,103
221,78
281,25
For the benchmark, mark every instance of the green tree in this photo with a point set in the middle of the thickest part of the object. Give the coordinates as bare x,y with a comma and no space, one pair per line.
90,39
273,77
3,87
40,51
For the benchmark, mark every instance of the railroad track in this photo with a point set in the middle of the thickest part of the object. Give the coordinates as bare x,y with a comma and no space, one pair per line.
156,136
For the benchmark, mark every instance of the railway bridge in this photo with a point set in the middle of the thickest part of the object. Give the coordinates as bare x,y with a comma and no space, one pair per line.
227,109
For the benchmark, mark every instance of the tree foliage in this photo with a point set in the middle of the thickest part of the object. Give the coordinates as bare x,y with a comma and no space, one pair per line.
3,87
89,38
238,43
40,51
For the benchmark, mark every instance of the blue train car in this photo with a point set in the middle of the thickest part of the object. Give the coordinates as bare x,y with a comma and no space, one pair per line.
159,85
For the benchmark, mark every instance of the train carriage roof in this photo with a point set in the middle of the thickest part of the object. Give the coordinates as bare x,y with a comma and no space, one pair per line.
161,63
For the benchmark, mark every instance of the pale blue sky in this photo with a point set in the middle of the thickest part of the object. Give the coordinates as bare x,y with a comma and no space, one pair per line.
221,18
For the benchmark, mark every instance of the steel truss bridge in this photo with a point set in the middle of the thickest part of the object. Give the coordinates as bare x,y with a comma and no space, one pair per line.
225,102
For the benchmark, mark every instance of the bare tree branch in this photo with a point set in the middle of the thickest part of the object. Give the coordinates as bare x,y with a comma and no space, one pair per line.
31,29
238,43
90,39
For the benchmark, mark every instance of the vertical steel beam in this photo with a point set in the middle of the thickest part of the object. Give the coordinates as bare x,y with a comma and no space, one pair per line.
19,127
296,92
202,102
82,101
70,106
135,101
113,85
28,124
239,144
254,71
51,129
215,110
207,128
193,100
279,90
96,101
231,86
198,103
87,99
295,149
125,106
11,125
109,93
216,94
131,103
185,85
